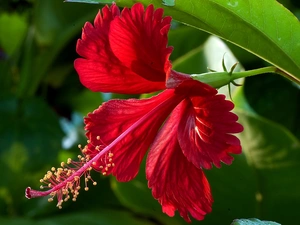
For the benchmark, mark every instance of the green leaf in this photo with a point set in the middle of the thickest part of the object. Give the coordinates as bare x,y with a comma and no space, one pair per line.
136,196
177,39
16,221
103,217
86,101
28,126
252,222
56,24
30,140
274,155
14,26
273,92
257,26
192,62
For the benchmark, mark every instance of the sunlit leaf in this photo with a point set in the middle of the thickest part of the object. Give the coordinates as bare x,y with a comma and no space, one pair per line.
252,222
169,2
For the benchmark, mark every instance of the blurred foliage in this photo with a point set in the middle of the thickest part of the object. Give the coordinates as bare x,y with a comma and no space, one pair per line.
41,98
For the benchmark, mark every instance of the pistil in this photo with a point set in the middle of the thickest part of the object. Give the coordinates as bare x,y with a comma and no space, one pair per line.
65,181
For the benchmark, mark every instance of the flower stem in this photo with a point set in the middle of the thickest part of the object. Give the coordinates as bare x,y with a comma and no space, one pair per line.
269,69
219,79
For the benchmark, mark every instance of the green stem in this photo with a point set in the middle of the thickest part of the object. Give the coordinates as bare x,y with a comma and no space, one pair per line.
249,73
219,79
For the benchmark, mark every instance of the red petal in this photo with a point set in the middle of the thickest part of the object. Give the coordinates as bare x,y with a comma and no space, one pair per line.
111,119
100,69
176,183
205,133
139,40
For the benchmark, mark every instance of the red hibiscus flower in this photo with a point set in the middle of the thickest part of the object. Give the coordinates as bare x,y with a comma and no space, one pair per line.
185,128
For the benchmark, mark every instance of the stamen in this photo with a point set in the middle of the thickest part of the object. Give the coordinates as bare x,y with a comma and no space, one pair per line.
64,182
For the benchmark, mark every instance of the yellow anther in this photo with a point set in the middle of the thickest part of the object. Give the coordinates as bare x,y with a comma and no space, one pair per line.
94,163
59,204
94,183
67,198
79,156
62,164
50,199
86,188
41,187
108,165
100,167
41,180
104,173
48,175
110,154
79,146
69,160
110,160
53,169
98,138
